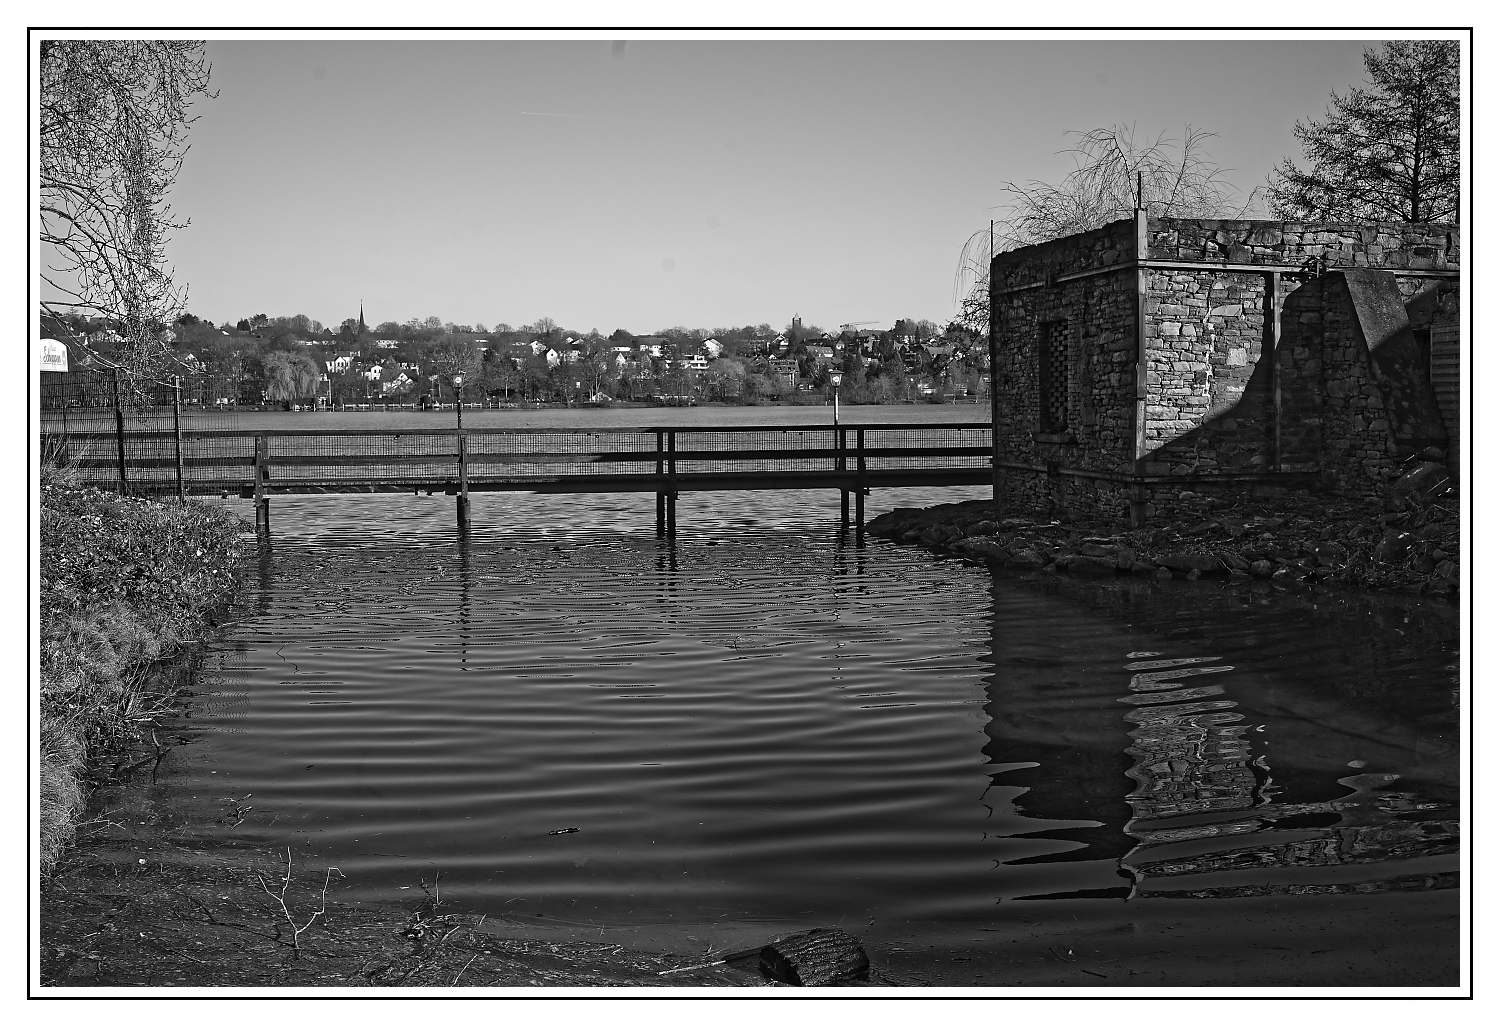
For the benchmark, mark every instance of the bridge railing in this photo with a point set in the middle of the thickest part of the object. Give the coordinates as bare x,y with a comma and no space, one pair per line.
522,458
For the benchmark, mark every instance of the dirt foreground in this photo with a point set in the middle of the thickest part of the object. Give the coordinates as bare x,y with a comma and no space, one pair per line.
128,915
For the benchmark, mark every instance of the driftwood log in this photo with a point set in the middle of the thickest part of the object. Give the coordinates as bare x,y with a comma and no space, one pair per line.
822,956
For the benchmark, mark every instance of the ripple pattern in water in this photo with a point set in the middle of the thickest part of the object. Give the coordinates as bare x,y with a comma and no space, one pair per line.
762,720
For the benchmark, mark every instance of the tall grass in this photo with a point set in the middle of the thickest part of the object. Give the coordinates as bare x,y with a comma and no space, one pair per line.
124,583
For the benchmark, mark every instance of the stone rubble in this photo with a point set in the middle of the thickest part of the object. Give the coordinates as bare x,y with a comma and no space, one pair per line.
1408,543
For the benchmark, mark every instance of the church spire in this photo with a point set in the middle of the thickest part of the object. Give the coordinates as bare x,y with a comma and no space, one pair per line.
362,328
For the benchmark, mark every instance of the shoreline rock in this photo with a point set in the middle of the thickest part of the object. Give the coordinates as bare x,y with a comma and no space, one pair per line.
1298,538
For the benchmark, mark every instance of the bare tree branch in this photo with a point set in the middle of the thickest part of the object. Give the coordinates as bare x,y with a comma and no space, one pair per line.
114,118
1176,180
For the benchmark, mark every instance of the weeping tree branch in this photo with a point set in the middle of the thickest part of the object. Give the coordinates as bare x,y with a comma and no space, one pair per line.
114,120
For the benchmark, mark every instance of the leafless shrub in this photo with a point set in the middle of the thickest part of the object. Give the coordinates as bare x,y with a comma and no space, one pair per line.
1113,172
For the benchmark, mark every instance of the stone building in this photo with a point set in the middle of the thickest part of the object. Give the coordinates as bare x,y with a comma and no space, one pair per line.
1154,357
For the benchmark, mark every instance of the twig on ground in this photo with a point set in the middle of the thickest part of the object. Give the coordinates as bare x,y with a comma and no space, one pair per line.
280,899
461,971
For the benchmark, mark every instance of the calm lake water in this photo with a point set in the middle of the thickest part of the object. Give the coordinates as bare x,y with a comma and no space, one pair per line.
769,721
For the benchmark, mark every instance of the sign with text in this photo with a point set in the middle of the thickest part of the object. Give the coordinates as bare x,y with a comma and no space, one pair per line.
54,356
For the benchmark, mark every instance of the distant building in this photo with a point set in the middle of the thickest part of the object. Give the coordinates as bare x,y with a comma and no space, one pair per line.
784,368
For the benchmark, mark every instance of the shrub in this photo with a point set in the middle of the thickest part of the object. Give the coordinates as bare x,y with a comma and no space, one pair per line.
123,583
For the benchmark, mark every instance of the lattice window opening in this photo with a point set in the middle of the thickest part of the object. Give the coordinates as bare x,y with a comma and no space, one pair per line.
1054,371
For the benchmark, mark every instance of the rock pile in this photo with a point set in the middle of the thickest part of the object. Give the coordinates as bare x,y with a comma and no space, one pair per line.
1409,542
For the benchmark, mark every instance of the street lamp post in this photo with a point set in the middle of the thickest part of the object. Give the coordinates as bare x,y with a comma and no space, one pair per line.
838,442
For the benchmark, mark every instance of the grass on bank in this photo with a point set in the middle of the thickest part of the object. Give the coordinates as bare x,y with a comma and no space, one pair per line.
124,583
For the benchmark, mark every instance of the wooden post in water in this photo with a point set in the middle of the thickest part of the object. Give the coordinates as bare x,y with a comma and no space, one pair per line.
177,431
262,472
120,433
841,440
672,482
661,495
860,490
463,480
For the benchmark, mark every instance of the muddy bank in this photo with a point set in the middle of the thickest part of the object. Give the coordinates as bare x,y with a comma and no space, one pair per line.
127,915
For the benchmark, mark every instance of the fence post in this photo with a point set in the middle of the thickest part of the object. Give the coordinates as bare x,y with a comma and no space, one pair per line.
177,432
120,433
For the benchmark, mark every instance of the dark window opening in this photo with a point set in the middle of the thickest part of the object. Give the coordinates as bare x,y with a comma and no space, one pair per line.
1424,346
1053,361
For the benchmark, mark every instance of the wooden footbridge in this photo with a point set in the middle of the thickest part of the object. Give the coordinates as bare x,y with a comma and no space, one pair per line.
260,464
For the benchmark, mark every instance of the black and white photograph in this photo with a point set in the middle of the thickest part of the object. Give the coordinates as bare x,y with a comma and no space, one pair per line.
751,513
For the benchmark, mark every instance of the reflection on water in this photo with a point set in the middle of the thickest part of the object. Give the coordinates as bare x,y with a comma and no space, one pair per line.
1214,762
764,717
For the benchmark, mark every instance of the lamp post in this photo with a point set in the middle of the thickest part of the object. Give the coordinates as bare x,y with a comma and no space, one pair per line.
836,378
433,379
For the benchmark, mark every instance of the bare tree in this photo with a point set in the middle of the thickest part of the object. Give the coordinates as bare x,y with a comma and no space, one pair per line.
455,356
1112,173
114,120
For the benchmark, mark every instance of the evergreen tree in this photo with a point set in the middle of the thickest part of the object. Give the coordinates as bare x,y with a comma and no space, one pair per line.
1388,152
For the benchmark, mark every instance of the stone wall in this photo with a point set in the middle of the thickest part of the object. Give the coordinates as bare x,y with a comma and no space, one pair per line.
1208,371
1368,244
1214,366
1097,315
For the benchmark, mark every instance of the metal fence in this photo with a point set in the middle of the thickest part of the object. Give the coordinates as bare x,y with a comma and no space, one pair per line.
216,461
119,431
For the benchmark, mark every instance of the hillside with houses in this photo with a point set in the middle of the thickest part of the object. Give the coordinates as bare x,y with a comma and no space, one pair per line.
286,361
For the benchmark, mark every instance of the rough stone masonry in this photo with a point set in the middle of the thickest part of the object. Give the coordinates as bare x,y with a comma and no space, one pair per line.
1159,356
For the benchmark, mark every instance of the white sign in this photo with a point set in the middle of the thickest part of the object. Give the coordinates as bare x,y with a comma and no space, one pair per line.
54,356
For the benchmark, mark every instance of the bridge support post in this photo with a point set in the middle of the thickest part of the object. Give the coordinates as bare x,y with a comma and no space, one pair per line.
262,471
661,513
860,479
672,480
463,479
843,508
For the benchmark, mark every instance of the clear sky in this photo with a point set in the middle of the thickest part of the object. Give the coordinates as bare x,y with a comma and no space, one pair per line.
651,184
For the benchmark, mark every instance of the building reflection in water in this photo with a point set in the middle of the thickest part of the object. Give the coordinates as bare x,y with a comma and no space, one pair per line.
1179,795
